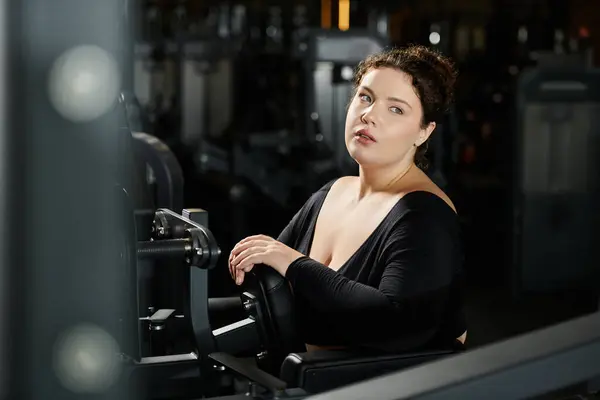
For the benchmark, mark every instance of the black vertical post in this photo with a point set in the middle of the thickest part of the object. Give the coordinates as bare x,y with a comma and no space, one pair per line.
6,200
63,261
129,11
559,14
335,14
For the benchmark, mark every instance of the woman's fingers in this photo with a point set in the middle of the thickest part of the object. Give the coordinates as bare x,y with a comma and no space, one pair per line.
241,251
230,266
240,274
239,279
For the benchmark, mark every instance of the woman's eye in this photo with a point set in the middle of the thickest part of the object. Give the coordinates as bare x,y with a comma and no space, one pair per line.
396,110
365,97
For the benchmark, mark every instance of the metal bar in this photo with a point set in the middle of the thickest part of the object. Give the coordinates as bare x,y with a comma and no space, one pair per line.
249,371
237,337
174,358
530,365
5,196
166,169
594,384
174,248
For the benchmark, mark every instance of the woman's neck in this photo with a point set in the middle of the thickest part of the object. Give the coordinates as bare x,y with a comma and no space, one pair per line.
378,179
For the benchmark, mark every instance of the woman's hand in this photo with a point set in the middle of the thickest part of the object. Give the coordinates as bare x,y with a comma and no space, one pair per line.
260,249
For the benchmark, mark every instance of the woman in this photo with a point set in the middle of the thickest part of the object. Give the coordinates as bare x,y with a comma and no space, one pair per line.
374,260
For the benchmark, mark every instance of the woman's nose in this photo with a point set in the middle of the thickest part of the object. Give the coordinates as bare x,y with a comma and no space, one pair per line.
369,115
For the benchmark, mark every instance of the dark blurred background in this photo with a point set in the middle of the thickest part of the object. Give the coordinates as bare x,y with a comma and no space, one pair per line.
250,96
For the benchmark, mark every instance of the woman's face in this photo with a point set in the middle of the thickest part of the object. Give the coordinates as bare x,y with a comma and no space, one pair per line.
383,122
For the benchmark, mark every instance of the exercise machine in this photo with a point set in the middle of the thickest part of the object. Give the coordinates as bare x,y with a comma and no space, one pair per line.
182,353
163,174
555,181
281,366
176,333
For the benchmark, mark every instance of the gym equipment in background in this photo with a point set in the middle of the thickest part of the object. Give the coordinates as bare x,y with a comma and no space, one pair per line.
163,172
555,214
329,58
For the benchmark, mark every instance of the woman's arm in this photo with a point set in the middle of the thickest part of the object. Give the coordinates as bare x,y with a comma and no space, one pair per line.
257,250
411,296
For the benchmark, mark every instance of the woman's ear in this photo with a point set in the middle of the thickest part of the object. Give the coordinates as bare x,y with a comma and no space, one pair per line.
425,133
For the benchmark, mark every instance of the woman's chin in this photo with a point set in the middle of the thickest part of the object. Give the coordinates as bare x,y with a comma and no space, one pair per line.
362,160
361,155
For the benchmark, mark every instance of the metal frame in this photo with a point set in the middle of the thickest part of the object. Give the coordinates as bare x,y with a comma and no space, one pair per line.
560,87
6,195
60,257
594,384
165,169
533,364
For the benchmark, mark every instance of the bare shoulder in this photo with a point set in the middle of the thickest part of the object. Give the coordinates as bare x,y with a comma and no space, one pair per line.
339,197
346,181
342,185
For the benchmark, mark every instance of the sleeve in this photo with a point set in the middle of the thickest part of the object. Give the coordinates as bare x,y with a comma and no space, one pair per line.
410,298
288,235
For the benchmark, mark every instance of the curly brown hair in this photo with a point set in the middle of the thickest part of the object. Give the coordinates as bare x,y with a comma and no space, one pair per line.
433,77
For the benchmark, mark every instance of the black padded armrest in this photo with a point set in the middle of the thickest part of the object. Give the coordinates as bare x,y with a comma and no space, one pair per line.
323,370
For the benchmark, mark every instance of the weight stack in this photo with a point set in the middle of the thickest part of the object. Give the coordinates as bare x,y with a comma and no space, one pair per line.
556,208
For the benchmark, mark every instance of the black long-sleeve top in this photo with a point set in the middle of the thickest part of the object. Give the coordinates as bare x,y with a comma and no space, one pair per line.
400,291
